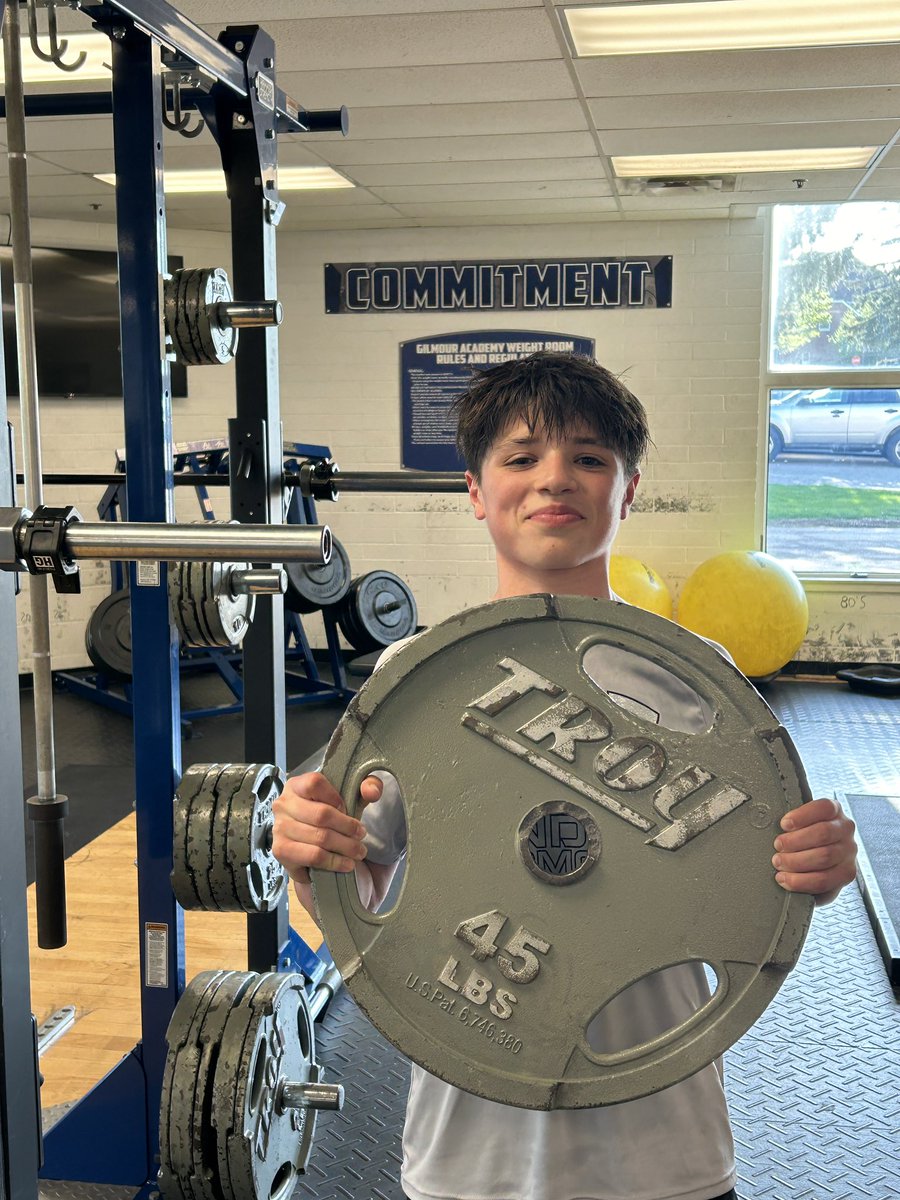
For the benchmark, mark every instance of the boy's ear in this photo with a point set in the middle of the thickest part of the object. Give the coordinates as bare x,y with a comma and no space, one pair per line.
475,496
630,489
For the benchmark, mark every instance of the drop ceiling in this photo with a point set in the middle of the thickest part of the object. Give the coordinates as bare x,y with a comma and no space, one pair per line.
471,112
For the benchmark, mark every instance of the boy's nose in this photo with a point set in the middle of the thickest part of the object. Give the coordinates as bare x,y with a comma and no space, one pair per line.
557,474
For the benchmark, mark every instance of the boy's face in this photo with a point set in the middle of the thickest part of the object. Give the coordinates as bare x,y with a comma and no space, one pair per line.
553,509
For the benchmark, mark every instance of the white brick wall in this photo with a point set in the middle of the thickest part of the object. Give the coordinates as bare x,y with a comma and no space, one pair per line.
695,366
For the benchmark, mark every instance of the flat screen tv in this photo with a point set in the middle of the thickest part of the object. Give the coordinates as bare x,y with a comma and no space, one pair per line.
76,319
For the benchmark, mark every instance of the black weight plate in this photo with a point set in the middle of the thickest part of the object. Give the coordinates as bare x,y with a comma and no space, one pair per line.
108,635
379,609
311,586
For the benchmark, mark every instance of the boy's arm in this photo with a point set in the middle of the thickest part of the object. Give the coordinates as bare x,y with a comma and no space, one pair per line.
314,829
816,853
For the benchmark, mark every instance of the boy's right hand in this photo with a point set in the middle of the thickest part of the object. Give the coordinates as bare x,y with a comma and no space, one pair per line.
313,828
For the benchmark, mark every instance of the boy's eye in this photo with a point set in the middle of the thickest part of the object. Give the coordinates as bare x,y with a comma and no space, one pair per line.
519,460
590,460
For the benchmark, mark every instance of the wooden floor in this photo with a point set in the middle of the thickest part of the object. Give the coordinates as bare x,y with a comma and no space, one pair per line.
98,970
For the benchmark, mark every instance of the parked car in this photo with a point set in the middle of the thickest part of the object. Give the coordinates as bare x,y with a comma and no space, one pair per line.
836,421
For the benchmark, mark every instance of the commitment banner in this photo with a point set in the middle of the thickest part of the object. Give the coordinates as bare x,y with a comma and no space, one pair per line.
543,283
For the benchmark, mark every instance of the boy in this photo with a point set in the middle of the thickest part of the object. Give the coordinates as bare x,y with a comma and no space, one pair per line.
553,445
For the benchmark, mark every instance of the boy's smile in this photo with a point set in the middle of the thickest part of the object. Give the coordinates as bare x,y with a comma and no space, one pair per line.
553,509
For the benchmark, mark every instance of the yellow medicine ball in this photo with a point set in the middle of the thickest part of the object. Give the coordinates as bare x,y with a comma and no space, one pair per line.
752,605
640,585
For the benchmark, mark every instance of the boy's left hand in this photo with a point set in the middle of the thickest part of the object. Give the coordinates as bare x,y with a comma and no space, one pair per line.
816,854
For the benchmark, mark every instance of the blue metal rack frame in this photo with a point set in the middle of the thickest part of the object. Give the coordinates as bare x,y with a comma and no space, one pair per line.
111,1135
304,683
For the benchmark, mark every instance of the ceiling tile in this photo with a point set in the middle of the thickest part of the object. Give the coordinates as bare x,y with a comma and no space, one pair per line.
509,208
402,86
263,11
481,171
539,190
737,70
412,39
68,133
748,108
447,150
62,184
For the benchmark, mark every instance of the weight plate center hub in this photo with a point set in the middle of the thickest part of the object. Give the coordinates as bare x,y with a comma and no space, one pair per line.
562,848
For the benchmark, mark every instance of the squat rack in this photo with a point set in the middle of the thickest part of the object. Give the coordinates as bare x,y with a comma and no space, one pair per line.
111,1135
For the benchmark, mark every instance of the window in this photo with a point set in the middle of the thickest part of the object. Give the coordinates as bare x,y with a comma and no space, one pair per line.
833,383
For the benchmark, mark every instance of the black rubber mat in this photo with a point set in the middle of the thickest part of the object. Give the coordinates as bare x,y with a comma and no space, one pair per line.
878,833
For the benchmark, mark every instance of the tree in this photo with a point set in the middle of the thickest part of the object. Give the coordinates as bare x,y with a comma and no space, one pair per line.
834,302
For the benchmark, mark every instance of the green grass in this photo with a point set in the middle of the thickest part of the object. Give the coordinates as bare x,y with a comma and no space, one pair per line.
825,502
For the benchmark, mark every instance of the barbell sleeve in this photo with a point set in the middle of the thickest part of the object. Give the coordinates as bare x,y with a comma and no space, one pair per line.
257,581
388,481
238,315
312,1095
136,542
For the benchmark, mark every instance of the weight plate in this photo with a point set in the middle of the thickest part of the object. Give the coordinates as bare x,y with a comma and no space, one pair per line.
198,339
205,611
203,1181
183,874
200,843
379,609
268,1041
221,881
315,585
107,638
219,342
258,879
484,972
228,614
176,1099
221,877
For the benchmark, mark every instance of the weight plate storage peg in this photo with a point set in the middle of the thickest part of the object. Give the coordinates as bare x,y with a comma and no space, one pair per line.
563,846
241,1089
205,608
316,585
107,637
222,838
378,610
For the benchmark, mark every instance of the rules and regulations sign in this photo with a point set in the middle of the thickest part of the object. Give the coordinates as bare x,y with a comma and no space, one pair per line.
633,282
433,372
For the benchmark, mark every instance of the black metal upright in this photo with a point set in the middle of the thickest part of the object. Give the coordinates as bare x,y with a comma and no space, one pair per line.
248,142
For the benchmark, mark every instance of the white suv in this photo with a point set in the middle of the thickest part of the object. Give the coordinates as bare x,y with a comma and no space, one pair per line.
836,421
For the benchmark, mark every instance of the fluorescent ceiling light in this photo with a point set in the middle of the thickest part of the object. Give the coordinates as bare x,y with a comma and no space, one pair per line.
290,179
743,162
680,28
95,66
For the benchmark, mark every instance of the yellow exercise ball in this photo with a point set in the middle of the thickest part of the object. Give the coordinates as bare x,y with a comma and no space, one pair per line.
751,604
640,585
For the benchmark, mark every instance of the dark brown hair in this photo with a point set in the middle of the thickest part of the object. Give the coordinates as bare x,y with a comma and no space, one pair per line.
553,393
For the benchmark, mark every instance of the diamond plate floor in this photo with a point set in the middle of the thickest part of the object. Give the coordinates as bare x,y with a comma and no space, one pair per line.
813,1087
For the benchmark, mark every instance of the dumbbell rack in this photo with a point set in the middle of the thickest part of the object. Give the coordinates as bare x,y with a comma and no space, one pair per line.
210,457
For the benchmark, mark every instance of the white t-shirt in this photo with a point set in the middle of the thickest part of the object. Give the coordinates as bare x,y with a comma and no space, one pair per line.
674,1145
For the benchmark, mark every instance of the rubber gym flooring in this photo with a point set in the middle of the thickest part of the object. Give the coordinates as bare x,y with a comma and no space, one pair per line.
812,1087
